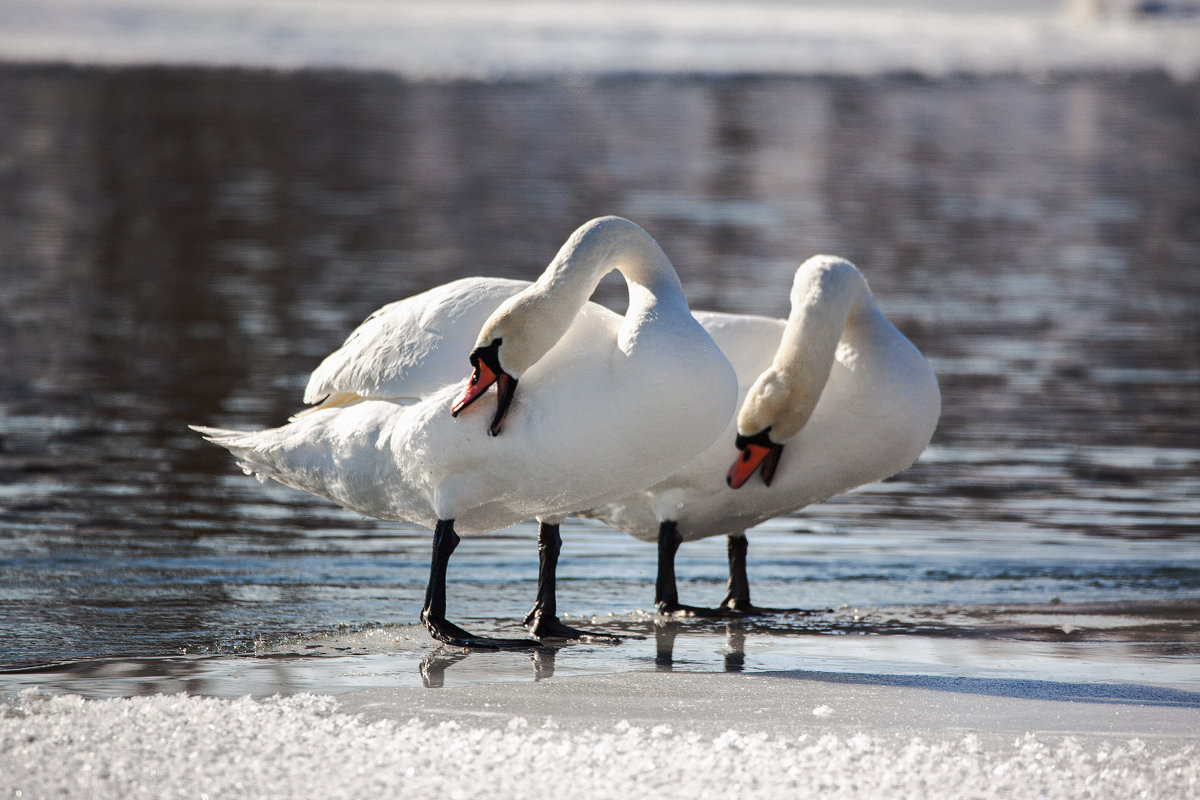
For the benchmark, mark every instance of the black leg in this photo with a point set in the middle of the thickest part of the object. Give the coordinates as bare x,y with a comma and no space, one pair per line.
434,612
666,593
737,598
542,621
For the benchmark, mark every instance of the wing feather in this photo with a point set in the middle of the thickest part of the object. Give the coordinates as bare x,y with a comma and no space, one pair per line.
411,347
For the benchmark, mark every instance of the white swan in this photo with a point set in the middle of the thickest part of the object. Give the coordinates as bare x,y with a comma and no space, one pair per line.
834,398
608,405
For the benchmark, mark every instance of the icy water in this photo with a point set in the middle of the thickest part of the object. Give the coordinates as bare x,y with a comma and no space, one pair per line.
184,246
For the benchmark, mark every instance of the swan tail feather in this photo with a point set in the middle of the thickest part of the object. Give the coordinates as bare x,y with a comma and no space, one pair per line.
246,447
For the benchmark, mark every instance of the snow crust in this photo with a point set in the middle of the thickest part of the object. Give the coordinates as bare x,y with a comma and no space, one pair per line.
440,40
169,746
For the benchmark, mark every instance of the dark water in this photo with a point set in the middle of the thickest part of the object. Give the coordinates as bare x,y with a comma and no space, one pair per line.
184,246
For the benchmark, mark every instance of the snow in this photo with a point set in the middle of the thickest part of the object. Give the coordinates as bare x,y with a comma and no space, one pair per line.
446,743
439,40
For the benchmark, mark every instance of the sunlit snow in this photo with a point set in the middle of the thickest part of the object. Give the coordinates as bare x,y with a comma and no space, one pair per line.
302,746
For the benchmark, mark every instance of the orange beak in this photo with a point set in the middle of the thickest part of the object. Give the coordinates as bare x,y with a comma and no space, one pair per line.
757,452
486,361
482,378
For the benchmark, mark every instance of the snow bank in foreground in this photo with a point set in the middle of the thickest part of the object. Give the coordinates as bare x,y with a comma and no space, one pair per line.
178,746
435,39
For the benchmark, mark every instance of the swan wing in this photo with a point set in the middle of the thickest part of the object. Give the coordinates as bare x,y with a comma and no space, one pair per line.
412,347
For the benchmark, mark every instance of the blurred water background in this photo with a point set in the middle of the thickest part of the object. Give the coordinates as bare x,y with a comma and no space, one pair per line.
184,244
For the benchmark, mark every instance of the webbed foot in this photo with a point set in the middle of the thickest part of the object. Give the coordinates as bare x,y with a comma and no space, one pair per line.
543,626
449,633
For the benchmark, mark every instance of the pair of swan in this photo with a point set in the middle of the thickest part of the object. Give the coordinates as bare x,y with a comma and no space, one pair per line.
607,406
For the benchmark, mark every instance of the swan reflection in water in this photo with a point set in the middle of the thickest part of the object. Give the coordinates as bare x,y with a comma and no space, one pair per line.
664,632
434,665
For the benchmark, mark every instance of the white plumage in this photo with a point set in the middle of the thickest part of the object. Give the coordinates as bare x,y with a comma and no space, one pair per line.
606,405
846,397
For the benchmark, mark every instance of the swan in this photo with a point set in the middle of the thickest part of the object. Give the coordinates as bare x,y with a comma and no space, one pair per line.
607,405
833,398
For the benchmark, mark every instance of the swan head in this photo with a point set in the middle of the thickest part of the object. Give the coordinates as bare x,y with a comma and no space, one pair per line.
757,451
485,360
781,400
775,408
518,333
527,325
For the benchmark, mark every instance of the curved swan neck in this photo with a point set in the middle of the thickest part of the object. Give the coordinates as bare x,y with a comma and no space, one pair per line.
602,245
824,293
531,322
